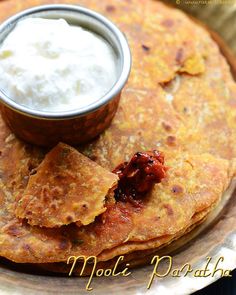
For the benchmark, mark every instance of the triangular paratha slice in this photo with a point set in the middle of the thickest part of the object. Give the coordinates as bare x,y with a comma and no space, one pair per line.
67,187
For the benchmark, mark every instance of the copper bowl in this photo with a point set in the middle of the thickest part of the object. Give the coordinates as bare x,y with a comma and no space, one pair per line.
82,124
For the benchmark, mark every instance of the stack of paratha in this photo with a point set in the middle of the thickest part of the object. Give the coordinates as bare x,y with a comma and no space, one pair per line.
180,99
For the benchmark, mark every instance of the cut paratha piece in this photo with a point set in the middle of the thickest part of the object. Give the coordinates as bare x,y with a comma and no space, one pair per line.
193,184
67,187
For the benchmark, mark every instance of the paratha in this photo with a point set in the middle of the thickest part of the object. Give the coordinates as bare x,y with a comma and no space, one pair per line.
180,99
67,187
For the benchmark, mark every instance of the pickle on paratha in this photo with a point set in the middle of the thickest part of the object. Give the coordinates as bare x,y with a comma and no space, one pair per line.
192,184
180,99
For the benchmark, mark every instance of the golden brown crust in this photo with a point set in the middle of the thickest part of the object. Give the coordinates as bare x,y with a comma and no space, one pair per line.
200,180
67,187
180,99
132,256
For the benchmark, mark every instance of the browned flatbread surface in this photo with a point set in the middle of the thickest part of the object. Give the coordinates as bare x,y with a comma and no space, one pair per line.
67,187
180,99
193,184
134,258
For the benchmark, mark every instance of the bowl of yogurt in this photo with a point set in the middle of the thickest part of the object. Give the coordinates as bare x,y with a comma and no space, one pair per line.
62,68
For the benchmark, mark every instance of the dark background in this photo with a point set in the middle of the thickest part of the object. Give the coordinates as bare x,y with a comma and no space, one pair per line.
224,286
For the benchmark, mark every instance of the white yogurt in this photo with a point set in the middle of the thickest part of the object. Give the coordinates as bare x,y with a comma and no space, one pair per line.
50,65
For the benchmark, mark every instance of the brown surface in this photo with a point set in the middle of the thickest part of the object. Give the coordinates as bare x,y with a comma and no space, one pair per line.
67,187
47,133
200,119
165,211
134,258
